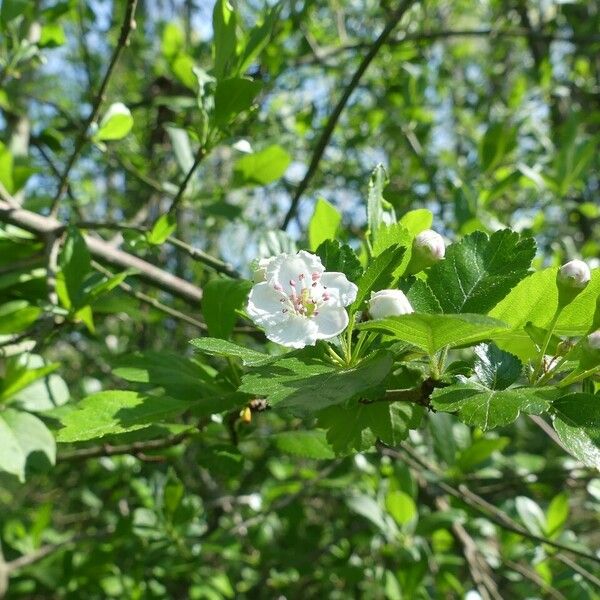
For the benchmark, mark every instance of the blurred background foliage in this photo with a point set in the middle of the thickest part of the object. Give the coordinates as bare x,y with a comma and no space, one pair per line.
486,113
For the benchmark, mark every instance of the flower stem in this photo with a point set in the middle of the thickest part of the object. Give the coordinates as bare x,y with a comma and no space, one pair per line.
546,341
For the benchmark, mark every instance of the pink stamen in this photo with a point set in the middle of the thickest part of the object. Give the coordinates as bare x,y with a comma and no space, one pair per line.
301,276
292,283
316,276
277,287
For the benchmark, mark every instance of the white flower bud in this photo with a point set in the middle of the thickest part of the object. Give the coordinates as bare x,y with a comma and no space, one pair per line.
574,274
389,303
428,248
593,340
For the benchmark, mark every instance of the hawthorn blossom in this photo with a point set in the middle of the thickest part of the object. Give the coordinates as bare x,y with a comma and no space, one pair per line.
389,303
297,302
430,244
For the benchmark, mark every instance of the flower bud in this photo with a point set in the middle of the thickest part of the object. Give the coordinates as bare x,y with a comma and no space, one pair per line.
427,249
571,279
593,340
389,303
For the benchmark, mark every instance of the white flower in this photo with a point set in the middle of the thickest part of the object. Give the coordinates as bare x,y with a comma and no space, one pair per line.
260,272
299,303
574,274
389,303
593,340
431,244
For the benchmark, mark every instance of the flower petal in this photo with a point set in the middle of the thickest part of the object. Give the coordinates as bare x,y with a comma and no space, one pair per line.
339,287
294,332
265,304
330,321
293,267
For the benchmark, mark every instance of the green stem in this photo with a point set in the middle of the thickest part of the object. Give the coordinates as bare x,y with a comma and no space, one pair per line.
575,377
544,347
337,359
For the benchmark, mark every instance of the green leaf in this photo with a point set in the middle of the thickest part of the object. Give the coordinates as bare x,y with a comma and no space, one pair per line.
116,123
304,385
394,235
17,315
307,444
479,451
375,202
479,271
576,419
113,412
401,507
19,375
217,347
11,9
557,515
172,40
323,224
357,426
222,298
415,221
52,36
495,368
431,333
75,264
531,515
420,296
22,434
340,258
224,37
257,39
485,408
379,274
164,226
498,141
263,167
232,97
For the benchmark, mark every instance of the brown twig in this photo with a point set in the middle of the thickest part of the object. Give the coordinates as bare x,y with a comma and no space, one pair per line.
186,180
325,136
126,28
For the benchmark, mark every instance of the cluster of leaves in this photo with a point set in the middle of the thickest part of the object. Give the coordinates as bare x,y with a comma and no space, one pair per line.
392,463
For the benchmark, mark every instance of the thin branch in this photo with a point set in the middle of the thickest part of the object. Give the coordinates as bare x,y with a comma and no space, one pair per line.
146,299
549,431
337,111
47,226
135,448
494,514
535,578
186,180
126,28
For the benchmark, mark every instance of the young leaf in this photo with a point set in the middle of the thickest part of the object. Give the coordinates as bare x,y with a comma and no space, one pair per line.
17,315
116,123
415,221
478,405
340,258
232,97
479,271
113,412
531,515
375,202
479,451
324,224
401,507
75,264
431,333
263,167
222,298
224,37
379,274
557,514
495,368
164,226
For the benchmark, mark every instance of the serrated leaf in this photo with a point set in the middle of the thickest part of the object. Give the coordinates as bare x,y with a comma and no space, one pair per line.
115,411
420,296
479,271
340,258
356,427
323,224
485,408
218,347
495,368
305,385
308,444
222,298
576,419
431,333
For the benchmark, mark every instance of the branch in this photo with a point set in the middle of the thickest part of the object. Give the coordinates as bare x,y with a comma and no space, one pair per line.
126,28
183,187
337,111
49,227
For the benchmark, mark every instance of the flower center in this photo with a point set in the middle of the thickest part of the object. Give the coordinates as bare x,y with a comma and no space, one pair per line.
303,299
